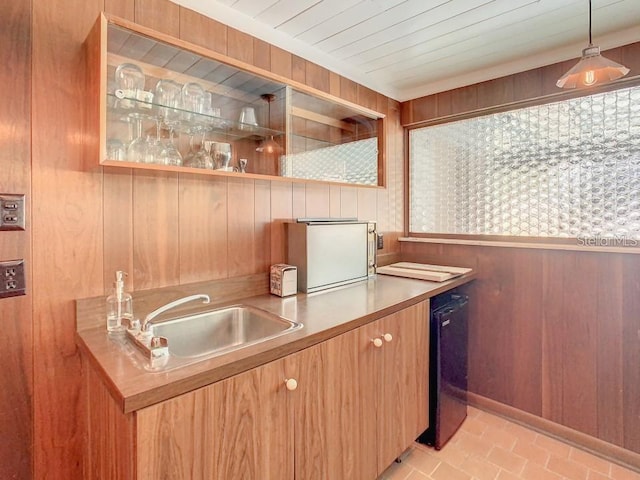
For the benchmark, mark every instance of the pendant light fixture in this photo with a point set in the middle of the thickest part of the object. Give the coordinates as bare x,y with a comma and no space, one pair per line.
592,69
269,146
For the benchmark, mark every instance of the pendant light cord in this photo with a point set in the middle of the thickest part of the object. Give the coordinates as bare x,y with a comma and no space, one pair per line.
590,42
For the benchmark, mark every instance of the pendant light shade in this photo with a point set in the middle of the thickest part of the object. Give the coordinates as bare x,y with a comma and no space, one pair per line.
592,69
269,146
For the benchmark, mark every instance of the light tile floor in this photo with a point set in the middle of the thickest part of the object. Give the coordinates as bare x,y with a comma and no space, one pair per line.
488,447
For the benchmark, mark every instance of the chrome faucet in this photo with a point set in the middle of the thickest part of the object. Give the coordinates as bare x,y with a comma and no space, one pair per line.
146,323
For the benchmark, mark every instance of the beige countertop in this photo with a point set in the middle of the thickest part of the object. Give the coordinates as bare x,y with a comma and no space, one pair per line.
324,314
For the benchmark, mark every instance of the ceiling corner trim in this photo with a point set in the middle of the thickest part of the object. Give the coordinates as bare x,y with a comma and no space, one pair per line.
246,24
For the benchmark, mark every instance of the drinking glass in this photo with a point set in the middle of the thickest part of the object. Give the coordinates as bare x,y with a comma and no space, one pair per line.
248,118
221,153
168,94
129,81
192,100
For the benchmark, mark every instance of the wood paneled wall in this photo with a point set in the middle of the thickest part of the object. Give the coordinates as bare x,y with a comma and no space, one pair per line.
162,228
15,313
554,333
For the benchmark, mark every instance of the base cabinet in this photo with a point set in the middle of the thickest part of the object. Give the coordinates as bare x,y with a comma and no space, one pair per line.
356,402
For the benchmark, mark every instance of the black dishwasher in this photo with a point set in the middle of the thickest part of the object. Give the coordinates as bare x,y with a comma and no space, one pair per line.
448,362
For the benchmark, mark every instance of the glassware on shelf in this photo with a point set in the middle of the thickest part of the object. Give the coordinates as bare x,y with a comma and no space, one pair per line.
116,149
171,155
129,80
197,157
221,153
247,118
168,94
139,149
192,100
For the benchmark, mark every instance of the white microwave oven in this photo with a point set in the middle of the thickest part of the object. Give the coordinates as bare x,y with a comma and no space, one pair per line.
331,252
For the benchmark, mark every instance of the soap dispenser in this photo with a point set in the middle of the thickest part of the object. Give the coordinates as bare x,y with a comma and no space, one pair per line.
119,306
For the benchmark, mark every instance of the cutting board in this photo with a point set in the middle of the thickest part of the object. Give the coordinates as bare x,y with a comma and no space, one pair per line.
422,271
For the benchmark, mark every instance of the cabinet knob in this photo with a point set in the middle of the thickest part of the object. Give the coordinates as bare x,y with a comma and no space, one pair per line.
377,342
291,384
387,337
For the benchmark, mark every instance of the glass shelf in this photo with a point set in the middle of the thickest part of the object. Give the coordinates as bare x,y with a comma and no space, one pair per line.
186,122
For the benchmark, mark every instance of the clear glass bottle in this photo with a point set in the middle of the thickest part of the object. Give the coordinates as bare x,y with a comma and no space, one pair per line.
119,306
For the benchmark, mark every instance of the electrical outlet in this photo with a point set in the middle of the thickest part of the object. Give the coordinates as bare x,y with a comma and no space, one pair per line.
380,241
12,280
11,212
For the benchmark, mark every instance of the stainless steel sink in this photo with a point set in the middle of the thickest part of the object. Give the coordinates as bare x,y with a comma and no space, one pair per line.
221,330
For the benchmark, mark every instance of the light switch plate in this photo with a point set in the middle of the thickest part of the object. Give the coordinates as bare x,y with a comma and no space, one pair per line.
11,211
12,281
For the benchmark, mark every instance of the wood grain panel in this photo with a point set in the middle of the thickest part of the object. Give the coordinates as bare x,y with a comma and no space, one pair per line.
367,203
465,99
261,54
527,85
526,312
348,90
424,108
444,105
552,337
204,31
160,15
317,200
238,428
202,228
298,69
110,433
155,229
281,211
495,92
367,97
117,198
348,202
281,62
239,45
120,8
334,84
579,380
317,76
241,239
610,352
299,197
262,226
334,201
67,231
16,341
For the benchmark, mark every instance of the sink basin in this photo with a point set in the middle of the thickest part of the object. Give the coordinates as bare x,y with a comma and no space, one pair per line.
221,330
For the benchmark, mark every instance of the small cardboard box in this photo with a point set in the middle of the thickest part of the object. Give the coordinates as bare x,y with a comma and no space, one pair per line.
283,279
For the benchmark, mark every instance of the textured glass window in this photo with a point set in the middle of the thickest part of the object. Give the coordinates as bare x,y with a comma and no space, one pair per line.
564,169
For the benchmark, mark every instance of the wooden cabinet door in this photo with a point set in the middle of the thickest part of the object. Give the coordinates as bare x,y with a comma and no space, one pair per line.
239,428
403,388
335,426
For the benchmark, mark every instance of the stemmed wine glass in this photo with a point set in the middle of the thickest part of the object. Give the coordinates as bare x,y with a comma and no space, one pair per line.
168,94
